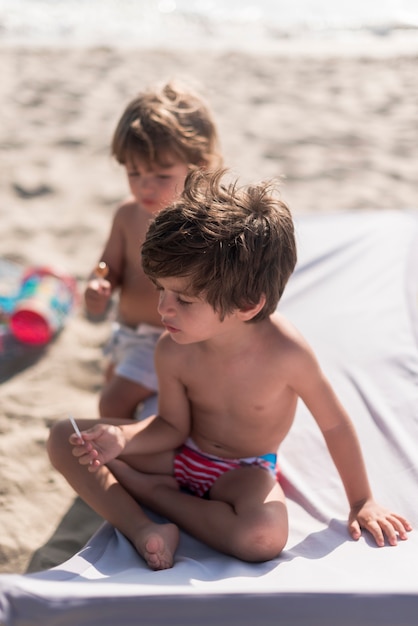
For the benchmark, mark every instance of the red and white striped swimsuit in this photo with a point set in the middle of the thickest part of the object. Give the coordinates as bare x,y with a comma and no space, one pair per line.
198,471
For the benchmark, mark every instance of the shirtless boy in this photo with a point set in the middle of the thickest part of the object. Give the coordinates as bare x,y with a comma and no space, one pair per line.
160,136
230,370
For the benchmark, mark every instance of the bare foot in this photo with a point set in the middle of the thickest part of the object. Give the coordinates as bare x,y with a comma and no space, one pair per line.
141,486
157,544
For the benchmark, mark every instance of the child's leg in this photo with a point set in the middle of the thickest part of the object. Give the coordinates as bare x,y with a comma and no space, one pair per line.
130,378
245,517
121,397
156,543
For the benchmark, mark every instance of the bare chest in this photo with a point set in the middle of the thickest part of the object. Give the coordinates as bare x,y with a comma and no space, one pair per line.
138,296
240,409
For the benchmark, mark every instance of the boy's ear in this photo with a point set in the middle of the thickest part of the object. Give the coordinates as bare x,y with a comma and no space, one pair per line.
247,313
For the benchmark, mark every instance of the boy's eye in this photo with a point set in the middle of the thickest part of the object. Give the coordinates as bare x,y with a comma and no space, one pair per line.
183,302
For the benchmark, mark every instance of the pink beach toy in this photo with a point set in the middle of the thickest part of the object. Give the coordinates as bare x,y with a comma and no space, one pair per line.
44,301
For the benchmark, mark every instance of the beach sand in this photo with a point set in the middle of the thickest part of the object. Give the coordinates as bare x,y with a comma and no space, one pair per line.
340,128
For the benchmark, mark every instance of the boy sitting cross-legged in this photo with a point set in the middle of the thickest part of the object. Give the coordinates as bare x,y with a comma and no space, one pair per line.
230,370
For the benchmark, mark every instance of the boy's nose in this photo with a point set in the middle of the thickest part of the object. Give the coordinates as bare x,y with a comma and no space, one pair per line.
145,184
165,304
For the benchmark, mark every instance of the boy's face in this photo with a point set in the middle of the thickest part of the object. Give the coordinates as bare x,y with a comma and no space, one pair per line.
188,319
156,186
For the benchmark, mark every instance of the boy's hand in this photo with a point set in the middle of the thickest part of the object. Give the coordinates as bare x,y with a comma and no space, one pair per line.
97,295
98,445
380,522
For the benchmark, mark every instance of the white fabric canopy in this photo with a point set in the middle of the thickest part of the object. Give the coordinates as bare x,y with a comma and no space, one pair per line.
354,295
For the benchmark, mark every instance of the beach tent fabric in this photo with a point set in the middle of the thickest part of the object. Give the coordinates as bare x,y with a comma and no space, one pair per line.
354,295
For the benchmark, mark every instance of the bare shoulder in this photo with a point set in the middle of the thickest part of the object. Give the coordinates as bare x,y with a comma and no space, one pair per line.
168,353
286,333
127,211
295,351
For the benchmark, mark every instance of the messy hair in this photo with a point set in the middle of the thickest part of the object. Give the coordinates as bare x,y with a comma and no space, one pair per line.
167,121
234,244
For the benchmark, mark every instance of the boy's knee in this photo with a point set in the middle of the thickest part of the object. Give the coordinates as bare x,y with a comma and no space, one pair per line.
121,397
58,436
259,547
262,541
107,406
115,407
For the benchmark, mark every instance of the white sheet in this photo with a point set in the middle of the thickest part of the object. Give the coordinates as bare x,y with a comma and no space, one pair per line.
355,297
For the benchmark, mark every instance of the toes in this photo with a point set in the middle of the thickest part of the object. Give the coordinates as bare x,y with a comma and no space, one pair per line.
156,554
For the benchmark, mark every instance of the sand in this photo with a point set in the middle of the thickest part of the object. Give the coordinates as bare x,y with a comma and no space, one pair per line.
340,128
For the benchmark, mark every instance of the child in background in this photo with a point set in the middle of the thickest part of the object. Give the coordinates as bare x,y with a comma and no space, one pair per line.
231,370
161,136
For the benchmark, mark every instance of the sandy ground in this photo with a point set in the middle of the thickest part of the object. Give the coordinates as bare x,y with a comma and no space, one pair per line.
340,128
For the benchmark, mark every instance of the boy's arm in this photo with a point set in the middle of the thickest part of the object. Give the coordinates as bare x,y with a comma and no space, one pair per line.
173,403
114,254
170,428
99,290
158,433
344,447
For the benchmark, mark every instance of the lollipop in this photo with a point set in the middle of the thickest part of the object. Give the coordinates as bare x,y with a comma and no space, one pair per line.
101,270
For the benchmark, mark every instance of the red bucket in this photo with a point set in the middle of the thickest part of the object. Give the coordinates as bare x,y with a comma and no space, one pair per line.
44,301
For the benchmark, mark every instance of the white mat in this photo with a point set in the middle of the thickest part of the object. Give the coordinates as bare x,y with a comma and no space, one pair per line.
355,297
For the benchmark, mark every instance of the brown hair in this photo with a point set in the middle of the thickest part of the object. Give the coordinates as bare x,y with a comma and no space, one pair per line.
234,244
167,121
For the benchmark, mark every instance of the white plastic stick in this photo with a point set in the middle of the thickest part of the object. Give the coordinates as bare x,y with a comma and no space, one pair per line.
76,428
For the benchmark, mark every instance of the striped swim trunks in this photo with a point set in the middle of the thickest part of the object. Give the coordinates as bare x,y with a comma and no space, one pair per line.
198,471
